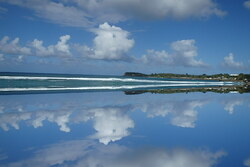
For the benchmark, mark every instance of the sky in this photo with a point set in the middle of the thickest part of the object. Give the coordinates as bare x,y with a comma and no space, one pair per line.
115,36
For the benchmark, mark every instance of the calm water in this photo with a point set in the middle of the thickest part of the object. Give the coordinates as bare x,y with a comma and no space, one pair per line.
112,129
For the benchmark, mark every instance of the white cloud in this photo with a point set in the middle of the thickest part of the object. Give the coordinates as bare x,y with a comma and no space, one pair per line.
19,58
110,43
247,4
157,57
57,154
56,12
35,48
62,45
13,47
111,124
61,118
186,115
78,153
231,104
87,13
183,113
62,48
13,119
40,50
229,62
184,54
35,118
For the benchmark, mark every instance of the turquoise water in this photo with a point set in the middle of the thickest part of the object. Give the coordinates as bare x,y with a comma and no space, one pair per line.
28,82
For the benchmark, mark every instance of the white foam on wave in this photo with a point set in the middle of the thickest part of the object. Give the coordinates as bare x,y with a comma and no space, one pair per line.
105,87
110,79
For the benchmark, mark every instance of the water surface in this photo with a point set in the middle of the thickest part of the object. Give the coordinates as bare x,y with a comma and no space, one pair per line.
117,129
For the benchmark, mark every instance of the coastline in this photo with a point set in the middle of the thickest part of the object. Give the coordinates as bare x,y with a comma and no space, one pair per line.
214,89
215,77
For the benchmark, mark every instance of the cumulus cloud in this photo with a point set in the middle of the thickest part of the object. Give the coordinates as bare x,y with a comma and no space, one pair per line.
229,62
110,43
184,54
36,48
13,47
62,48
247,4
87,13
88,153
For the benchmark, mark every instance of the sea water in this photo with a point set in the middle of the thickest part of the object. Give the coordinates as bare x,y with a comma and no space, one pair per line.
35,82
112,129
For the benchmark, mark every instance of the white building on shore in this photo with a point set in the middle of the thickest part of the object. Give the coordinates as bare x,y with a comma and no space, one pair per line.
234,75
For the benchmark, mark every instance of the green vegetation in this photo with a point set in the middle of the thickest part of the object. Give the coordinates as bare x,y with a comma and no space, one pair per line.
135,74
243,88
219,89
220,77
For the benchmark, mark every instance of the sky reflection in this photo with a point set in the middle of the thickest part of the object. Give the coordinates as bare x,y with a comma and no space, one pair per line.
114,129
89,153
111,119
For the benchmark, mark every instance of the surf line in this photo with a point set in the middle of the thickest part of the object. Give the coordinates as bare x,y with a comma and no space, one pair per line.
103,87
110,79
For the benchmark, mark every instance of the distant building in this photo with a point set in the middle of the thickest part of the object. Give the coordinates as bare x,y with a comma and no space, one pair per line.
234,75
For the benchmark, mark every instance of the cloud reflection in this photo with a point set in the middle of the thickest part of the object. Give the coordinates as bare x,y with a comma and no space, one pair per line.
184,113
111,123
78,153
231,104
13,119
110,116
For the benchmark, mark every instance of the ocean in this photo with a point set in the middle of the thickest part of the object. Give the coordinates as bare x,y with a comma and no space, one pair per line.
115,121
44,83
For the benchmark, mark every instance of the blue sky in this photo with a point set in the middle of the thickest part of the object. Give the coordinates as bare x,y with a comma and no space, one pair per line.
112,37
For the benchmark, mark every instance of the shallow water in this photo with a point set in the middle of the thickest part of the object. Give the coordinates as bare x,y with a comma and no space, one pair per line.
113,129
16,83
